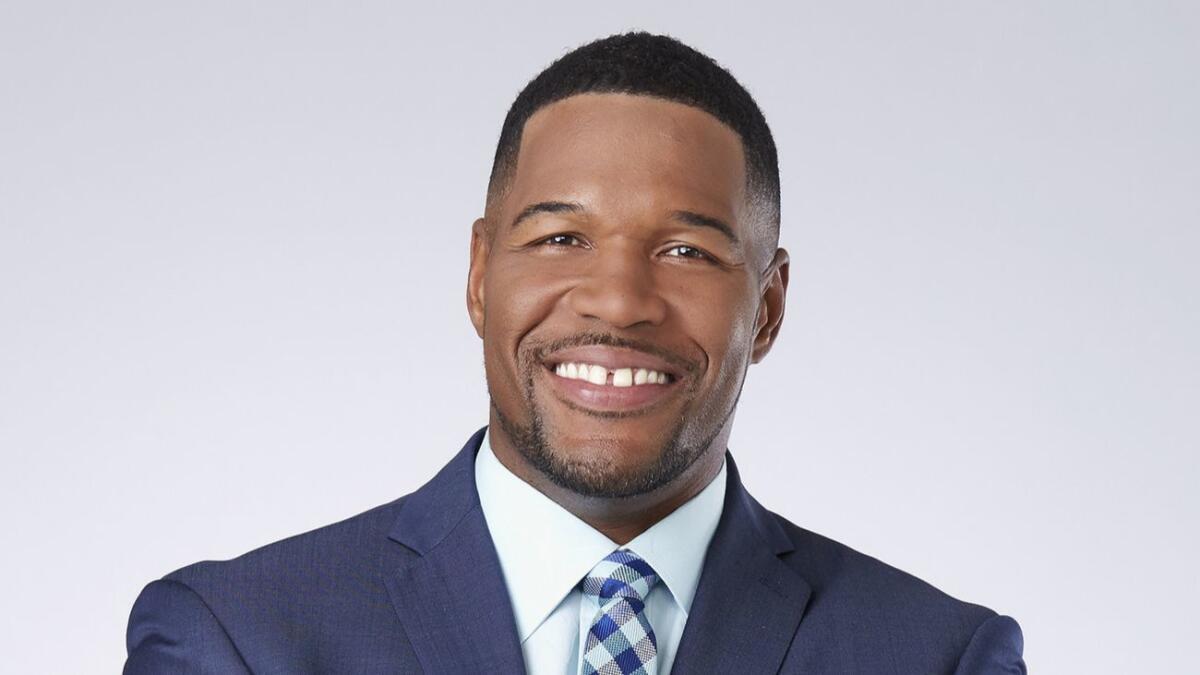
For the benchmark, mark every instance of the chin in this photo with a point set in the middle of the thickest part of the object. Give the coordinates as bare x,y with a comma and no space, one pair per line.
601,457
611,467
619,456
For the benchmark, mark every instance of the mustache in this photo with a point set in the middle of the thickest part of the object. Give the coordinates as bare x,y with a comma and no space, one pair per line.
589,339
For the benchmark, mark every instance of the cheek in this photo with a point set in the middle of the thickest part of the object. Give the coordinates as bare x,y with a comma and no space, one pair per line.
519,298
719,318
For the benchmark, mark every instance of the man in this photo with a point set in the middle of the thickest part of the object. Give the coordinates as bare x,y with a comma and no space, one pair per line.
623,278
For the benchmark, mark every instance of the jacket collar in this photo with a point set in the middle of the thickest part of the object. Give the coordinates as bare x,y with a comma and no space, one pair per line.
749,602
451,598
450,595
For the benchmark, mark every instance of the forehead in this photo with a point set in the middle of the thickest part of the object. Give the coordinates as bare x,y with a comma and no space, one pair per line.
621,152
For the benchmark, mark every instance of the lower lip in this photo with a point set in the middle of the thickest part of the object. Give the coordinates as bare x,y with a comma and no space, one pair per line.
608,398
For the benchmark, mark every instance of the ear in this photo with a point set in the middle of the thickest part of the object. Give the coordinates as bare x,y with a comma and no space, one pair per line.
770,307
475,274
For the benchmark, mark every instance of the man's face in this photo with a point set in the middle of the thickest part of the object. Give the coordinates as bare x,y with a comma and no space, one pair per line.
622,287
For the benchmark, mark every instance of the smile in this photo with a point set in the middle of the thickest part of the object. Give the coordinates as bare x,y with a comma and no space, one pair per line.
612,377
612,380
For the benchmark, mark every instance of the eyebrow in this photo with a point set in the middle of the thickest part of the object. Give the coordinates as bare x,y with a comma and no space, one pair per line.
701,220
687,217
546,207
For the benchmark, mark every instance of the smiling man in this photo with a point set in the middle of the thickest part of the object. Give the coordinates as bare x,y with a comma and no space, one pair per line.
623,278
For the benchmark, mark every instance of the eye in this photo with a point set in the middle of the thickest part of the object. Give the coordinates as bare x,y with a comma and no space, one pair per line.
561,240
685,251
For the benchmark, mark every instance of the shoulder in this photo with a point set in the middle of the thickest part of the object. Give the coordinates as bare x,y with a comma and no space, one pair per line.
875,607
308,602
858,580
306,558
294,603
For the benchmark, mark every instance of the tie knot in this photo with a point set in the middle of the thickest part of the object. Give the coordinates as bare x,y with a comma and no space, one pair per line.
621,575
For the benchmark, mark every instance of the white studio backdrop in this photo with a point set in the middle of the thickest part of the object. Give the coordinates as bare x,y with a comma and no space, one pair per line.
233,249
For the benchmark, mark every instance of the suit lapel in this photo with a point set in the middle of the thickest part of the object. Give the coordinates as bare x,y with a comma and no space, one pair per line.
449,591
749,603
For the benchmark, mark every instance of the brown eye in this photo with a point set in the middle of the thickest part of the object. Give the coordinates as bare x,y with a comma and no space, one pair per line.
688,252
561,240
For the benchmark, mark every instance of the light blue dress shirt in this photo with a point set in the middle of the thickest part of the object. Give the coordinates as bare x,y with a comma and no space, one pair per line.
545,550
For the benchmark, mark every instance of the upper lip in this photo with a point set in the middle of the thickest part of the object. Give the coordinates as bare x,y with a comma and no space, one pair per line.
612,358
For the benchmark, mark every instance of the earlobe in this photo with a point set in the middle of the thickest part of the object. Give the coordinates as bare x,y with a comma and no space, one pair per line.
770,309
475,274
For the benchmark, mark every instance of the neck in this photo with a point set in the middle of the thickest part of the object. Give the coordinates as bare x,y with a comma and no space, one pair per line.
621,519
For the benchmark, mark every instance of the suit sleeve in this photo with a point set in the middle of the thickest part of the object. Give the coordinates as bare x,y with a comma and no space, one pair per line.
995,649
172,630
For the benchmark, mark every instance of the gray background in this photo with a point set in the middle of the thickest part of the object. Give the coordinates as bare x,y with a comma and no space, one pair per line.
233,248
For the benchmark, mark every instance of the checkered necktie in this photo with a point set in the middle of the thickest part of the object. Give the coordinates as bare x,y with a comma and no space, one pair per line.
620,640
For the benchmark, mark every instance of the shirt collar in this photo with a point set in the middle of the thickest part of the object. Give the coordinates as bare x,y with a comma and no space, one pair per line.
544,550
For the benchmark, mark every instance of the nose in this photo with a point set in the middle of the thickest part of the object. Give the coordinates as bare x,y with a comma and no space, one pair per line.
618,288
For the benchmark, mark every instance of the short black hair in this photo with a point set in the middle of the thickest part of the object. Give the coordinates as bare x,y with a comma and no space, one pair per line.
651,65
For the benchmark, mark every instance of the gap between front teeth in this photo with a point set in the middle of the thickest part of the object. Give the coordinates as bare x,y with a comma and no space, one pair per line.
621,377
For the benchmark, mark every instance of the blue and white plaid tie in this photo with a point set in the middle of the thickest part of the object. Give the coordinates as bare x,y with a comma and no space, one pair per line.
620,640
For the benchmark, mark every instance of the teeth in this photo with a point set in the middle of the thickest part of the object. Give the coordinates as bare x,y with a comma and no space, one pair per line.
621,377
597,374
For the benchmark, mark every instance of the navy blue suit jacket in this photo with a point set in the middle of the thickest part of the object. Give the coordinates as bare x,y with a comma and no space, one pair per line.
414,586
